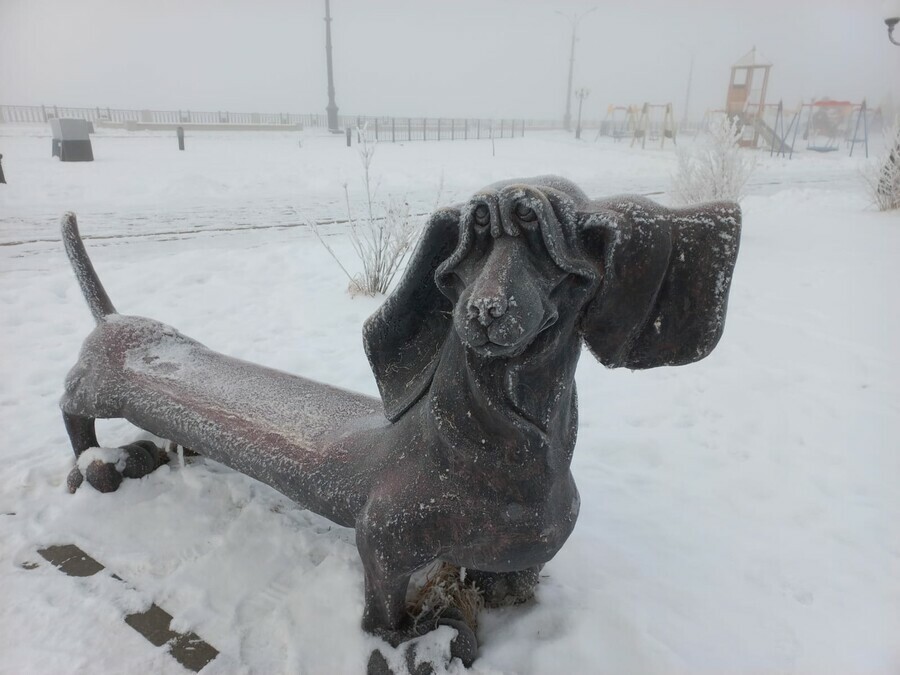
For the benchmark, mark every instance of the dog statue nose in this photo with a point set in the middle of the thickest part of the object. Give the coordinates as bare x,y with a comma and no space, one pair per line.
485,310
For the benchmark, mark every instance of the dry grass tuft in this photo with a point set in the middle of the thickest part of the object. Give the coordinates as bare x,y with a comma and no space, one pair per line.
446,588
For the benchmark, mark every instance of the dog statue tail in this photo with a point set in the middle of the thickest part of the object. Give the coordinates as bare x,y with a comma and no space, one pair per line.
97,299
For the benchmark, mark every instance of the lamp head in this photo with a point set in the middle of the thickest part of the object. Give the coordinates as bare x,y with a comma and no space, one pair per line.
890,10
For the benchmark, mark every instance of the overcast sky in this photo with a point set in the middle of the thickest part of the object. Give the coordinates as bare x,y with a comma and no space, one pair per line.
420,57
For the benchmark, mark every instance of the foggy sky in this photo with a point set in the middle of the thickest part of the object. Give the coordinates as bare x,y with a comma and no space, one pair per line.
490,58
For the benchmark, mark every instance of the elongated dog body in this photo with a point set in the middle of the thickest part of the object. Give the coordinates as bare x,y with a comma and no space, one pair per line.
474,354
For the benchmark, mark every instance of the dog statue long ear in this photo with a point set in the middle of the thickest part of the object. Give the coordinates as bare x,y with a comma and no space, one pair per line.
665,282
403,339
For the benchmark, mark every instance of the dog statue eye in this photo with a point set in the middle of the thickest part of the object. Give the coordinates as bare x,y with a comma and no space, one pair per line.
482,214
525,213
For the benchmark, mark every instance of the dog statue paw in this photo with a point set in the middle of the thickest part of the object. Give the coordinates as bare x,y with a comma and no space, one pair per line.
411,658
105,468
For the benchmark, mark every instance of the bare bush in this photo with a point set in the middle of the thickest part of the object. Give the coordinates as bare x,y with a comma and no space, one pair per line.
883,176
715,167
381,238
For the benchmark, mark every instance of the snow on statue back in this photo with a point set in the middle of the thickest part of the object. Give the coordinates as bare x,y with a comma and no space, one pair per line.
474,354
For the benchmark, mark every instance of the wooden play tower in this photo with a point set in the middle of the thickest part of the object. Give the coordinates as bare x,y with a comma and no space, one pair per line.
747,95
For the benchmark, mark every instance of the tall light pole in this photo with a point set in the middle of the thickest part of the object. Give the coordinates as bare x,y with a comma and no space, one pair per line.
331,108
574,20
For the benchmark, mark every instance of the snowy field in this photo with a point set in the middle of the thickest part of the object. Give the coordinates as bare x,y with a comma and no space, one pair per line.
739,515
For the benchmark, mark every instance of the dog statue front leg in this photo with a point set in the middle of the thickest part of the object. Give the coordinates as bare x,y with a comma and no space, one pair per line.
385,612
388,565
391,551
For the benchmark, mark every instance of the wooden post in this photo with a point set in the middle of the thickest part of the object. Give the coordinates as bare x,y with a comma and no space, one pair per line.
439,129
453,130
393,130
501,128
478,126
467,130
409,128
376,128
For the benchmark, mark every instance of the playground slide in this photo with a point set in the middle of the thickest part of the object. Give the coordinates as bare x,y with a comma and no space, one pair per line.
769,136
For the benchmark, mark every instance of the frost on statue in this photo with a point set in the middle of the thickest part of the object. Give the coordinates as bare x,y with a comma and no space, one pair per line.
466,457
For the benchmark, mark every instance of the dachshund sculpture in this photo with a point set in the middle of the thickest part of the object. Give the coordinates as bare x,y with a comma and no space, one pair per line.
466,457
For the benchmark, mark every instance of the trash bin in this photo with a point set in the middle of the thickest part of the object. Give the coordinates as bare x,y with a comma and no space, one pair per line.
71,139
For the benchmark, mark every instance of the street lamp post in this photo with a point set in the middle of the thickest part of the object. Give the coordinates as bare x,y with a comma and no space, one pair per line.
331,108
581,94
574,20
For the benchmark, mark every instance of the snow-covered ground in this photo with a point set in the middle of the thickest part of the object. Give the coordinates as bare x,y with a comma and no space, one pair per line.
738,515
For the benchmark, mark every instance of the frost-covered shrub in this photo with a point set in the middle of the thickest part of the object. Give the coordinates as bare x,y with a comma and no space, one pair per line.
381,238
883,176
714,167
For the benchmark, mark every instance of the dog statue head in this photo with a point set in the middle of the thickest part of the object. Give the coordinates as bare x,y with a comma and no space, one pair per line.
525,264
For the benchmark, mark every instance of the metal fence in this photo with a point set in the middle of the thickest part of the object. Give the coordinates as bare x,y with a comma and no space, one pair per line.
390,129
382,128
399,129
36,114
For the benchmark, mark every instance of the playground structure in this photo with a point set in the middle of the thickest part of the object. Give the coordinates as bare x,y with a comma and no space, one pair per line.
822,124
770,127
829,122
620,122
656,121
747,95
826,122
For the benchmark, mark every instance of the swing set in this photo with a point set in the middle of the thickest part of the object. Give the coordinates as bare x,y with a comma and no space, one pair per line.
656,121
828,123
620,122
